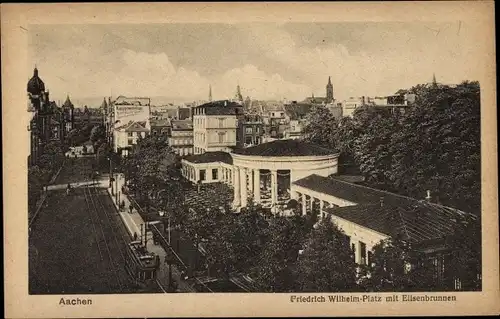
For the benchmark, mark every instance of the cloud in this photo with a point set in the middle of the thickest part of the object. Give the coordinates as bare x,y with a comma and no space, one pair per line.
259,84
269,61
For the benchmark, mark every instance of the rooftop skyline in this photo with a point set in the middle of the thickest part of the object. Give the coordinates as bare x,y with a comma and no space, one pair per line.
268,61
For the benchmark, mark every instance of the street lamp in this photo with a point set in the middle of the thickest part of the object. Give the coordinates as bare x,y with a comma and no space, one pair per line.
162,214
169,261
110,174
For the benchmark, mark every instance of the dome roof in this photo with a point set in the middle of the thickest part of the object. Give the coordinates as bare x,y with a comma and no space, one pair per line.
283,148
35,84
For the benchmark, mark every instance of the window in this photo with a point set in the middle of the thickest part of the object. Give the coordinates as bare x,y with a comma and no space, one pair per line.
222,137
248,140
248,130
130,134
202,175
215,174
221,122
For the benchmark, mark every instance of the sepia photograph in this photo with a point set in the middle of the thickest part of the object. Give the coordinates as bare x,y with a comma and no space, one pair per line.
326,160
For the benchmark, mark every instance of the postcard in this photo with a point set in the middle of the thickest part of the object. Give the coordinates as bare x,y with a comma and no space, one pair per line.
249,159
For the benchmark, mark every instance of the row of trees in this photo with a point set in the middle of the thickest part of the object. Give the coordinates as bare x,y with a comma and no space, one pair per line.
298,253
50,160
434,145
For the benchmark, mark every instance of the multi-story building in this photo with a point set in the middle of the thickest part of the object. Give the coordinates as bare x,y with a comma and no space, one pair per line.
86,116
181,137
295,129
398,102
160,126
215,126
250,130
48,120
130,118
127,135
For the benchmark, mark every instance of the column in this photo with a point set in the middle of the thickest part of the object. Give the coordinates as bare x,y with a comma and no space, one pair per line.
304,205
357,253
311,203
274,186
321,205
243,186
237,195
256,185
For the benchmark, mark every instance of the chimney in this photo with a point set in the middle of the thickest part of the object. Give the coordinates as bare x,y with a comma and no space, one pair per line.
382,201
428,197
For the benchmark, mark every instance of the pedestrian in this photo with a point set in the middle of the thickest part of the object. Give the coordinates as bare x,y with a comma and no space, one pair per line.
131,208
135,236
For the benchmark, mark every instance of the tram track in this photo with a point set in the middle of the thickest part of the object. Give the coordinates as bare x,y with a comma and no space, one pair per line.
103,244
118,233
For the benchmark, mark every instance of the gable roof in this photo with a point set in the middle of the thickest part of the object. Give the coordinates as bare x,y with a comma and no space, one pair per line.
133,126
417,221
385,212
159,122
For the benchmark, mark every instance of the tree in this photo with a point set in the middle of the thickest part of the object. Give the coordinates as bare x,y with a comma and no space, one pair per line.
321,127
37,177
153,167
103,153
235,243
96,133
465,245
437,147
274,271
327,263
372,148
396,266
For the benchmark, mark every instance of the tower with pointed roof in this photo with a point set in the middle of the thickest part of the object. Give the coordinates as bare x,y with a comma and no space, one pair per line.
210,93
329,91
238,97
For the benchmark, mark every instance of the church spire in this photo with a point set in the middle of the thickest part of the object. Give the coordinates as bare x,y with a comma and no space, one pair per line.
210,93
329,91
238,96
434,82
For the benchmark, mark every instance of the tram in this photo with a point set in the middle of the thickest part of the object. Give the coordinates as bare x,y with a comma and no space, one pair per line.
140,264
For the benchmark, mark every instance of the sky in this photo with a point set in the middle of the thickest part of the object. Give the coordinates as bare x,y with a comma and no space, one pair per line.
268,61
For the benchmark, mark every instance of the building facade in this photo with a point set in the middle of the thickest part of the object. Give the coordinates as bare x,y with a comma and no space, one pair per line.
127,135
215,126
391,104
48,121
181,137
250,130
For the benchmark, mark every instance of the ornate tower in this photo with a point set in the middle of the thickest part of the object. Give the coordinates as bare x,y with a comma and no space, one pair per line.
210,93
329,91
238,97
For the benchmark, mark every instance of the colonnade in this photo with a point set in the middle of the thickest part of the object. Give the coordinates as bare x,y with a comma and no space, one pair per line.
248,183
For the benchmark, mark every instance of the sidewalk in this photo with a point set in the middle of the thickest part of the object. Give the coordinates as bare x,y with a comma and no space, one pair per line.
133,223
